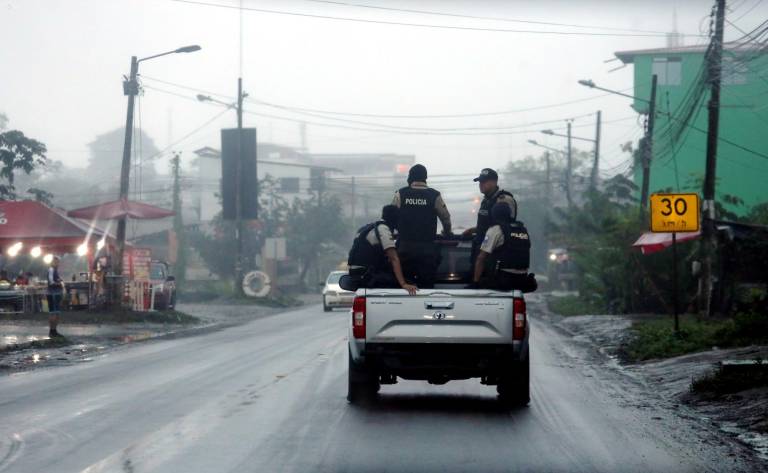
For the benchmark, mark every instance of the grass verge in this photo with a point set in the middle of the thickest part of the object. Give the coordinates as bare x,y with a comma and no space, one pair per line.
655,338
721,381
573,305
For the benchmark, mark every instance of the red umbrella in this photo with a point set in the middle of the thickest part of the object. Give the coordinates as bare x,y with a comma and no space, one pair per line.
652,242
119,209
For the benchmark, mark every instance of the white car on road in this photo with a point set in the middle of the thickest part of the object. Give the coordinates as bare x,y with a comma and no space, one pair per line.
333,295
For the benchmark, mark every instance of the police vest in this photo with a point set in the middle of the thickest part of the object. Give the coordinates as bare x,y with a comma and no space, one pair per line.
363,253
515,253
418,217
484,221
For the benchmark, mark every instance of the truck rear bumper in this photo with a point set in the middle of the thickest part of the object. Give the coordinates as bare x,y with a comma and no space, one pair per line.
440,362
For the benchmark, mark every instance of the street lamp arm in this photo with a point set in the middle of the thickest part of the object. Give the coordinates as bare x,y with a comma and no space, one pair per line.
592,85
552,133
185,49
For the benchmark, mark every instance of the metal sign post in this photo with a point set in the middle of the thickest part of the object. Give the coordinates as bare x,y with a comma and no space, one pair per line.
673,213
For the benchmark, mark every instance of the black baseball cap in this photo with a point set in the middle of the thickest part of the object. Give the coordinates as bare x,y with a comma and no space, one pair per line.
487,174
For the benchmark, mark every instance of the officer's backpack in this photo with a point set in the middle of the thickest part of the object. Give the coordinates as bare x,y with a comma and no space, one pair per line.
515,253
362,252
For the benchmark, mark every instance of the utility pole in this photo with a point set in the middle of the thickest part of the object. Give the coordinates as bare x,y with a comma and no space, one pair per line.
596,163
354,198
131,89
709,235
180,267
238,200
568,170
549,180
648,150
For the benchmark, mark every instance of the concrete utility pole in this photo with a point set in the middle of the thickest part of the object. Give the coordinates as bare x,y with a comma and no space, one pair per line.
596,162
131,89
353,189
568,169
648,150
709,234
549,179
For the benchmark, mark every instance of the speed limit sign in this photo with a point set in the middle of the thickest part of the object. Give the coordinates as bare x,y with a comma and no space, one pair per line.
675,212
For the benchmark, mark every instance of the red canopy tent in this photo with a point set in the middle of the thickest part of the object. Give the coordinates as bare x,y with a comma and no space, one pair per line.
120,208
35,224
652,242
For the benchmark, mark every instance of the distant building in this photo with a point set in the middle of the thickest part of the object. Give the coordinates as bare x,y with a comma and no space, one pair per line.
297,177
743,119
376,177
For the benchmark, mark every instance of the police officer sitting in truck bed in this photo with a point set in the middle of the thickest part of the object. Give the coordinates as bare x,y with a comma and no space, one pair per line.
504,257
373,246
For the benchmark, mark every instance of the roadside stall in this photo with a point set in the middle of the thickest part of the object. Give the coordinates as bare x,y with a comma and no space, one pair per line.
31,234
139,290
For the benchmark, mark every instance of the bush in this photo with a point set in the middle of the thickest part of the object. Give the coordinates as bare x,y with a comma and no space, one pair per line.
574,305
656,338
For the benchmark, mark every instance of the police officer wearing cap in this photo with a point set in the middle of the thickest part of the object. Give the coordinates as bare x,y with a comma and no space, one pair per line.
420,208
374,245
489,186
504,255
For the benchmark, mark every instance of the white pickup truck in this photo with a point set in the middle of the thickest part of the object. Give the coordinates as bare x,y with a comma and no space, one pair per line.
441,334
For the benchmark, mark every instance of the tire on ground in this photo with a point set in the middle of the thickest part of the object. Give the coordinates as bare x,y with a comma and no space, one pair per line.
514,388
362,384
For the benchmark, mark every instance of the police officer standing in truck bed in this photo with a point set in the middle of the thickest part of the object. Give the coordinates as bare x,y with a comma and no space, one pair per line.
420,207
489,186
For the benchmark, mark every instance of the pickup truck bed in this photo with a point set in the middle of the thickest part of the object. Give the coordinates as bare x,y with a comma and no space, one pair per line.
442,334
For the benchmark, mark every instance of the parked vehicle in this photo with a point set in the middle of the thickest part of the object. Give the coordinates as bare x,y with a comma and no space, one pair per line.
163,286
333,295
441,334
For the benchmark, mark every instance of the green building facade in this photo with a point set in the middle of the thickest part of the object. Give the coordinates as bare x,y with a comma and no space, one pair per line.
679,138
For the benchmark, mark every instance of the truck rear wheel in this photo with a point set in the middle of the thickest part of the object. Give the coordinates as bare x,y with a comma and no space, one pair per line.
514,388
362,385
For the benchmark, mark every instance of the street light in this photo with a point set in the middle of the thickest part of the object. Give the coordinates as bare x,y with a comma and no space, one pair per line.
592,85
552,133
131,89
647,143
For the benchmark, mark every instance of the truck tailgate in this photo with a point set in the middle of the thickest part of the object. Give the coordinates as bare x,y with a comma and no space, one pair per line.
438,316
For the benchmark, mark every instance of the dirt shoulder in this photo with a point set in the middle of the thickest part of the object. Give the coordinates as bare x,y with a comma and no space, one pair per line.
742,414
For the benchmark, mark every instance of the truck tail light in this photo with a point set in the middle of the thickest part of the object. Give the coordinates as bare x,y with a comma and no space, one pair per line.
358,317
518,319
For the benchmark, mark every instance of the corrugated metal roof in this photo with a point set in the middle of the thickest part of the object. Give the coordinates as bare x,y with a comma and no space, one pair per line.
628,57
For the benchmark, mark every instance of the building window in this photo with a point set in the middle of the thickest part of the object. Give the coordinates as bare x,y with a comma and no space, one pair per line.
734,71
668,70
289,185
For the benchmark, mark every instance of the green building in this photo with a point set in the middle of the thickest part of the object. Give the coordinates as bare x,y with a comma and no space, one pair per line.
679,138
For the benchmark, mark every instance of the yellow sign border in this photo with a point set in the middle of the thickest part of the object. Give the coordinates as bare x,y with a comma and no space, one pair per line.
661,194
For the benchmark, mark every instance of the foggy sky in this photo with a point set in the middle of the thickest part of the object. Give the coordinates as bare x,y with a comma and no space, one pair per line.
63,62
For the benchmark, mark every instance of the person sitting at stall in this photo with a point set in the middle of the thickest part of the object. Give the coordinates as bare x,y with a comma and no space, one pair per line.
505,253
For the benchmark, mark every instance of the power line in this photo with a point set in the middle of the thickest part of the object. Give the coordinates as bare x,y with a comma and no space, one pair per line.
418,25
477,17
381,115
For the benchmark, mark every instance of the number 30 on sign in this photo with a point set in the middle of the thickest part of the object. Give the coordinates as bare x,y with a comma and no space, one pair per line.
675,212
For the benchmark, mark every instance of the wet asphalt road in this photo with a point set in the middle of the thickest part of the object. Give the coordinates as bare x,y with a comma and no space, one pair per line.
270,396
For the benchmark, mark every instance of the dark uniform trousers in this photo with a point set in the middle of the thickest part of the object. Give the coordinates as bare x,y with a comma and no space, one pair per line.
419,260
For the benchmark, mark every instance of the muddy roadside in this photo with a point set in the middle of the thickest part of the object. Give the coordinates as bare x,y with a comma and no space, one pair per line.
742,414
25,344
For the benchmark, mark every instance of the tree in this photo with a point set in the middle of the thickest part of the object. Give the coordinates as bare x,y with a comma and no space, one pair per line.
17,153
107,155
312,226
